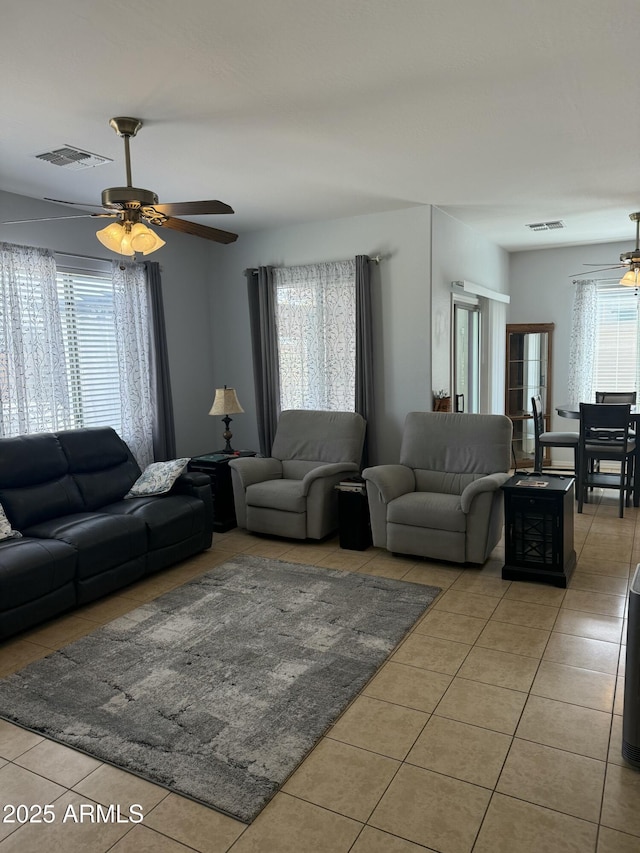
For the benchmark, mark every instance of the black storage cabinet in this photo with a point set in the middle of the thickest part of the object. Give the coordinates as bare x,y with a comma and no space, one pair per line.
539,529
353,515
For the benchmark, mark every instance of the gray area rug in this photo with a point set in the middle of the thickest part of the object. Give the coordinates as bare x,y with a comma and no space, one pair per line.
218,689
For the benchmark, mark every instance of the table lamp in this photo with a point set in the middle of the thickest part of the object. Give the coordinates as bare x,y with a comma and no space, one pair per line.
226,403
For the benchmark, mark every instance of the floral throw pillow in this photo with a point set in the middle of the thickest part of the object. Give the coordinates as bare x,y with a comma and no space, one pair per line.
6,531
157,478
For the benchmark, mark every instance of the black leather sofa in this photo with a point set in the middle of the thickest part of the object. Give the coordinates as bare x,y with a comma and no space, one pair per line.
80,539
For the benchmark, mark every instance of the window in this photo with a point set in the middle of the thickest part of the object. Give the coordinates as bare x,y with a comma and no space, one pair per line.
89,337
616,345
316,334
75,346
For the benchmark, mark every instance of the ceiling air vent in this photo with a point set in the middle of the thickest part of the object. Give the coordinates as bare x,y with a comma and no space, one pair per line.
546,226
73,158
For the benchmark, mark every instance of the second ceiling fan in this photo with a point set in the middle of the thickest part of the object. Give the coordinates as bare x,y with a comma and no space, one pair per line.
629,261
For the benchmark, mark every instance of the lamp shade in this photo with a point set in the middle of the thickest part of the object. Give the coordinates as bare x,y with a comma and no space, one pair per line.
226,402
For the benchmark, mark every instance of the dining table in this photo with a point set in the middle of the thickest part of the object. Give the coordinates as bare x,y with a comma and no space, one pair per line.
572,410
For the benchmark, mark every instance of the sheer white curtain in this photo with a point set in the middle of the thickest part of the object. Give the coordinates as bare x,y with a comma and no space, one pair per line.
132,321
583,342
316,331
34,394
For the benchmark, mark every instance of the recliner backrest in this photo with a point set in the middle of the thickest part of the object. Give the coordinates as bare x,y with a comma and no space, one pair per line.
319,436
456,443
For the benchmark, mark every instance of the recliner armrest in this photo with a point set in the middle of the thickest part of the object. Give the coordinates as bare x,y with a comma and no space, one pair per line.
490,483
391,480
256,469
330,469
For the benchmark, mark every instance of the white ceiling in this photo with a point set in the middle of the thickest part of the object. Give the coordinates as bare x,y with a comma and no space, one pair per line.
501,112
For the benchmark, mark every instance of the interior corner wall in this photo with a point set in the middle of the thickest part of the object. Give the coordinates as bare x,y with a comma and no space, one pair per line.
542,291
401,303
458,254
186,283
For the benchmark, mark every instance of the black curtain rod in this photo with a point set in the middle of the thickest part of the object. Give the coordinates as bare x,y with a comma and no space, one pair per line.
374,260
85,257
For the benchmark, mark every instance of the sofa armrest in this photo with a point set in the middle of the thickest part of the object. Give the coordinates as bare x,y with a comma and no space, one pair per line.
189,480
490,483
197,485
391,481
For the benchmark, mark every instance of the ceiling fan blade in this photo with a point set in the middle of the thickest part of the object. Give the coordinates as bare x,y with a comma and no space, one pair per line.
53,218
193,208
77,203
602,269
198,230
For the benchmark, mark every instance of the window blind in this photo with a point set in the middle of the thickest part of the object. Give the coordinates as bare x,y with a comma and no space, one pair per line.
86,307
616,338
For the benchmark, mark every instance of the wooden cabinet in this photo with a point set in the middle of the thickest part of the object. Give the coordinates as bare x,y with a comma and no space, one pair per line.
529,350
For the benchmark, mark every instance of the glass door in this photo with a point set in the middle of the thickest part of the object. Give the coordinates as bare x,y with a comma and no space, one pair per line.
466,357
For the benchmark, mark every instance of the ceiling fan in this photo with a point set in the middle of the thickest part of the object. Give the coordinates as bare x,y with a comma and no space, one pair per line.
131,205
628,260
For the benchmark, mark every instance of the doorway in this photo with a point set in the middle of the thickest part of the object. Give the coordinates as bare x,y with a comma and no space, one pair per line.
466,356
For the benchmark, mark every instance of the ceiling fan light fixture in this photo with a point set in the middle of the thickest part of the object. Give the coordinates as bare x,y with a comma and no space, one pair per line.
115,238
144,240
632,277
127,239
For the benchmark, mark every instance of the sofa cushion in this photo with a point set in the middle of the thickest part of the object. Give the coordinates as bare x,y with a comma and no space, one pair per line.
40,503
34,480
101,540
101,464
428,509
32,568
27,460
169,519
287,495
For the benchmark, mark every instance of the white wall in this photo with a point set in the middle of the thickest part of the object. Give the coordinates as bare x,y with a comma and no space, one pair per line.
205,296
458,253
185,264
542,291
401,312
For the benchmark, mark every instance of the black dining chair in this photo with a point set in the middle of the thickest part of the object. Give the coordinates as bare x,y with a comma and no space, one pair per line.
620,397
605,437
544,439
616,397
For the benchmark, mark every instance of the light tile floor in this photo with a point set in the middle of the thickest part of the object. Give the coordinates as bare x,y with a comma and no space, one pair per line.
495,727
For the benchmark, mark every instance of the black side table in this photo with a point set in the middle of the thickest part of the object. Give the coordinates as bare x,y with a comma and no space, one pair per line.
353,515
216,465
539,528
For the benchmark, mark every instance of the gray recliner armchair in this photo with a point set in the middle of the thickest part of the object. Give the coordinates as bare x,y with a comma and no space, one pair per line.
444,499
292,493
